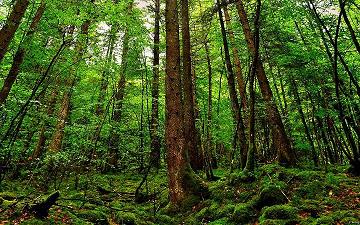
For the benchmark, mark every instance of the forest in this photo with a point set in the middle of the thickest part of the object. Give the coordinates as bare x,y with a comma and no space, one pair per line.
218,112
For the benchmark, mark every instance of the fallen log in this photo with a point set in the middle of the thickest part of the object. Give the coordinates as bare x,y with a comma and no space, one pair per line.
41,209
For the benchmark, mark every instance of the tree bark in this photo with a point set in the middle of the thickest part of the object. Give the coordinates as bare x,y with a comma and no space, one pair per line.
250,162
19,56
12,23
189,114
154,123
237,62
286,154
63,114
182,182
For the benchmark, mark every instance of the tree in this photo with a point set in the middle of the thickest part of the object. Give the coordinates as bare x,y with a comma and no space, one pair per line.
182,182
12,23
154,123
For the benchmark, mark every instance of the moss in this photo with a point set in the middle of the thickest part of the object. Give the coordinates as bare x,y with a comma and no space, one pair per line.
125,218
8,195
164,219
312,190
222,221
308,175
282,212
270,195
313,207
35,222
94,216
7,204
243,213
277,222
339,216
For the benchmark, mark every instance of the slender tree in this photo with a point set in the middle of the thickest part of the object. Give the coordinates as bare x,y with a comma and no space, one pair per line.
286,154
154,123
189,114
240,128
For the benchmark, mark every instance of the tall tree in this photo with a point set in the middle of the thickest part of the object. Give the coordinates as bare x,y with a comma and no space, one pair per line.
20,55
119,95
12,23
189,114
237,62
236,110
182,182
154,123
286,154
64,111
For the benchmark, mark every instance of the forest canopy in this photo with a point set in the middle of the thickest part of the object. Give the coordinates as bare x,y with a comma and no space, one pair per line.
179,112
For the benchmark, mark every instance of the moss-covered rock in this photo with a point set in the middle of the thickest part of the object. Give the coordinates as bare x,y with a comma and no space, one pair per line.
279,212
243,213
164,219
8,195
341,217
270,195
126,218
5,204
94,216
277,222
222,221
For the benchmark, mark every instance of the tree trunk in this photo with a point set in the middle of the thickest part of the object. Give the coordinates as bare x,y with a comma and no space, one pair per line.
240,128
39,149
182,182
12,23
154,123
189,114
250,162
119,98
342,4
19,56
237,62
63,114
286,154
209,147
303,120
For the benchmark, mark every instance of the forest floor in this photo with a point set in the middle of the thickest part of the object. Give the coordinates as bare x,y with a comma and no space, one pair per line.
277,196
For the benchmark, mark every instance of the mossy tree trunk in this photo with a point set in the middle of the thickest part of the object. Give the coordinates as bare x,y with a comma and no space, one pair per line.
182,183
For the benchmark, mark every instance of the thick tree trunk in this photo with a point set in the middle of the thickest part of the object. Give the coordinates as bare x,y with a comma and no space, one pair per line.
154,123
19,56
13,21
189,114
286,154
182,182
237,62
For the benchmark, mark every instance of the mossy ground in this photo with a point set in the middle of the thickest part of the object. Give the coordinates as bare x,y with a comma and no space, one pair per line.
277,196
